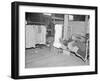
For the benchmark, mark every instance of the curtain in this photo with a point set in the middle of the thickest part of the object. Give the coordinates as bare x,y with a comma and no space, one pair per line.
35,34
30,36
58,35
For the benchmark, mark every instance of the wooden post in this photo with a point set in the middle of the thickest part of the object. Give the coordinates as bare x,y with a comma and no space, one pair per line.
65,36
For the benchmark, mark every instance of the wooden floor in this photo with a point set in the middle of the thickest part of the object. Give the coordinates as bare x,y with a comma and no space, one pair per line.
49,57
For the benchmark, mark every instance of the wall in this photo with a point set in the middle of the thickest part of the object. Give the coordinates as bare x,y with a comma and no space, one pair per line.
74,27
77,27
5,40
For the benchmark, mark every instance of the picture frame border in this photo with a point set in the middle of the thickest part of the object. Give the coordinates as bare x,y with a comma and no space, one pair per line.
15,39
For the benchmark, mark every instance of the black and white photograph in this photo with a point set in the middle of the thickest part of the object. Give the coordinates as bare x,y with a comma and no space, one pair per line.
53,40
50,40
